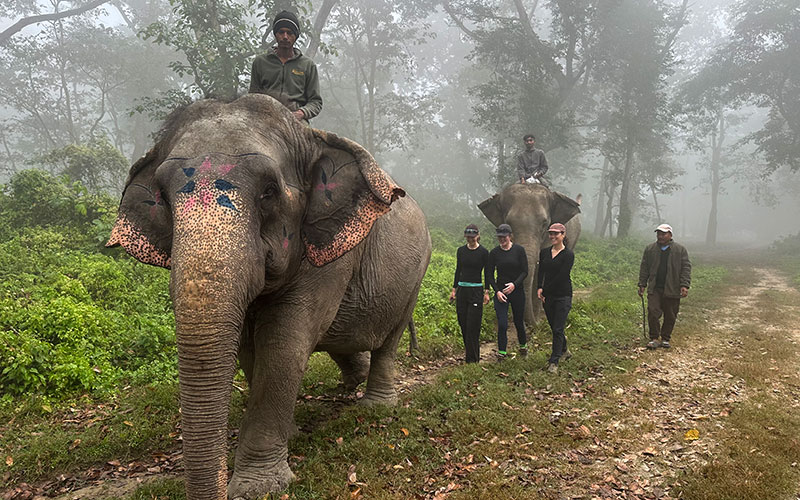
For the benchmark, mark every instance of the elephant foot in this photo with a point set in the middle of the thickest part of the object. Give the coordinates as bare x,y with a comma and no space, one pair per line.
254,486
373,398
355,368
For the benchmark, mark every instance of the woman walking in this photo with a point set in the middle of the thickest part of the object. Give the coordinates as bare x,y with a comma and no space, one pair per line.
511,264
554,289
471,260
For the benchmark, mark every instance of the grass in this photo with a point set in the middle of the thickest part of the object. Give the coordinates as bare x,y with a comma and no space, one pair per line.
477,431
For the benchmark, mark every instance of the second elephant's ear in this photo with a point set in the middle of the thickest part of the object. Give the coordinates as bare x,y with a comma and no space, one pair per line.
349,193
492,209
143,226
563,208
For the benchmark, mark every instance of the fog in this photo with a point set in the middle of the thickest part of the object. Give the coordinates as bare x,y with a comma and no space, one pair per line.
640,96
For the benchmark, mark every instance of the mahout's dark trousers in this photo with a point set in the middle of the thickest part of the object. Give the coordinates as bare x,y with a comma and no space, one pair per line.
517,302
658,305
557,309
469,309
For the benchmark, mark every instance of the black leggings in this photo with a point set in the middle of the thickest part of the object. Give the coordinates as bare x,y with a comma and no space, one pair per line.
469,308
557,309
517,302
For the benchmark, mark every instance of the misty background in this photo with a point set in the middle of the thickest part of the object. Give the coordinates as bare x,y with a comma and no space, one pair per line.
654,110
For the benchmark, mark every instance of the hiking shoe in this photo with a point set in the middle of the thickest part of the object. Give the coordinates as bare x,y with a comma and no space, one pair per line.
501,357
665,344
523,352
565,356
653,344
552,368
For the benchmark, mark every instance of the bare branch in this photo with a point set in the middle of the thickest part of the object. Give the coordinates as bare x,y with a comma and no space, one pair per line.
459,23
27,21
319,25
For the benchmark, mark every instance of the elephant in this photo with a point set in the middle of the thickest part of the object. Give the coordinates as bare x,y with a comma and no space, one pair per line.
530,209
281,240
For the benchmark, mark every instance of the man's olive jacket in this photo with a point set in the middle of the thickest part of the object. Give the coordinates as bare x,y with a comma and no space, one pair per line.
679,269
295,84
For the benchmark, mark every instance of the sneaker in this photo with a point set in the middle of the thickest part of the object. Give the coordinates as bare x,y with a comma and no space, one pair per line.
565,356
653,344
523,352
665,344
501,356
552,368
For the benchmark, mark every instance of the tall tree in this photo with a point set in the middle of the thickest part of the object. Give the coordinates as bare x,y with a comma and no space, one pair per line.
536,57
762,62
369,79
633,60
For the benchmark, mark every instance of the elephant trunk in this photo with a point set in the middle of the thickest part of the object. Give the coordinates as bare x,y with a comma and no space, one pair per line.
207,358
211,288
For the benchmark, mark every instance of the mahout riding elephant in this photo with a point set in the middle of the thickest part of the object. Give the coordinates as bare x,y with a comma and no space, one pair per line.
281,240
530,209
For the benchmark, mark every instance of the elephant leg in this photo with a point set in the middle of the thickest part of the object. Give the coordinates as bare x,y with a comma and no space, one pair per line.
381,380
355,368
261,464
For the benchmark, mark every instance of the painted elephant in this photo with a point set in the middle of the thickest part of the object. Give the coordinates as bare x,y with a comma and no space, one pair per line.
530,209
280,242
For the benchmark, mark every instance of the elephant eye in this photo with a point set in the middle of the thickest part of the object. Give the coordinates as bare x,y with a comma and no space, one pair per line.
270,192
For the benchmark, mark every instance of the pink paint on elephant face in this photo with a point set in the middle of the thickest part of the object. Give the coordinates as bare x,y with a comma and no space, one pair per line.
189,204
206,197
285,243
326,187
224,169
205,166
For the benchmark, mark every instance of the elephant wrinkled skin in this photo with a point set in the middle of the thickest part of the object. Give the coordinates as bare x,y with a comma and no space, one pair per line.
281,242
530,209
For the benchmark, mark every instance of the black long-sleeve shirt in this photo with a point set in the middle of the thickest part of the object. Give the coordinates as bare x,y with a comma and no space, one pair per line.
470,264
553,277
511,265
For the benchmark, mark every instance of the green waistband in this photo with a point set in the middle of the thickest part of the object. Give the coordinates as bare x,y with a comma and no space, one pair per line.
467,283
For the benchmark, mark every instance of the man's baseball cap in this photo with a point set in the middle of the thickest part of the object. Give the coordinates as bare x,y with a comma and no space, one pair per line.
472,229
558,227
664,228
503,230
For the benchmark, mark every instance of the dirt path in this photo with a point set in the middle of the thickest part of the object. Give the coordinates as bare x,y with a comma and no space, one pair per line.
635,442
668,418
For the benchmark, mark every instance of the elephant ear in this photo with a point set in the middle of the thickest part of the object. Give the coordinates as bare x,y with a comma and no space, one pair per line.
349,192
492,209
143,219
563,208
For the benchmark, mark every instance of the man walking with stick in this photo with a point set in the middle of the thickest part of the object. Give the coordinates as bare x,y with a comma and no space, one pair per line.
666,273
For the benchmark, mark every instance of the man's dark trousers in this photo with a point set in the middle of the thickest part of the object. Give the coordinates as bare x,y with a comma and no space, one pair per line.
557,309
469,309
658,305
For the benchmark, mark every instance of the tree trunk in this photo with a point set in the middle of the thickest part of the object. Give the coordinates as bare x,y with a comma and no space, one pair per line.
601,191
655,202
717,139
625,203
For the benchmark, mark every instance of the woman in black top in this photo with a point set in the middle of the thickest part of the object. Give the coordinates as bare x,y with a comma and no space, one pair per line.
511,263
554,289
471,260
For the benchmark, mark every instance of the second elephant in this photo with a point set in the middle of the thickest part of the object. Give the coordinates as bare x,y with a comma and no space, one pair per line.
530,209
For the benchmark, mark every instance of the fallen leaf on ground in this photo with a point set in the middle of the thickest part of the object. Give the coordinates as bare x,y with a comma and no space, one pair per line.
691,435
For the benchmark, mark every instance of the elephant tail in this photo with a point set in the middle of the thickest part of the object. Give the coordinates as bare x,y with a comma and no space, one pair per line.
412,332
